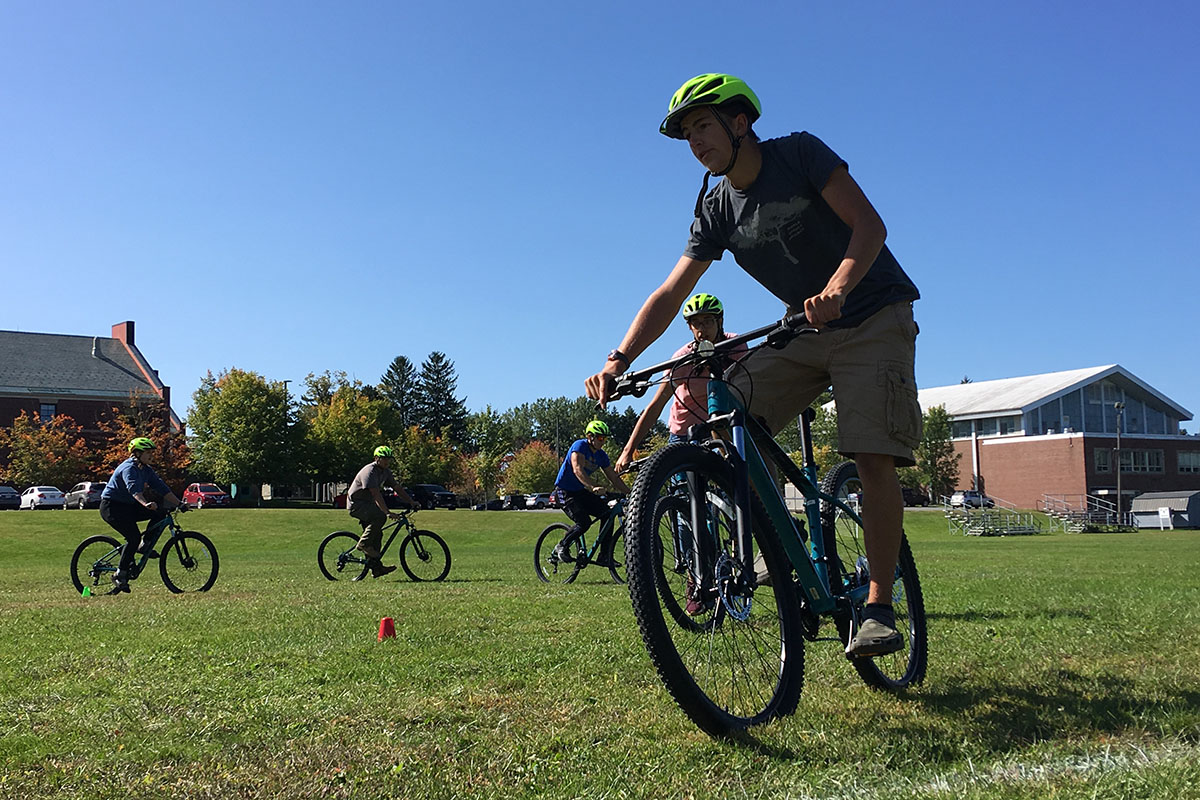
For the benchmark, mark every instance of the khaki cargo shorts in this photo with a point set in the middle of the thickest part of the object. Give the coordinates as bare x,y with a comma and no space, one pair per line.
871,369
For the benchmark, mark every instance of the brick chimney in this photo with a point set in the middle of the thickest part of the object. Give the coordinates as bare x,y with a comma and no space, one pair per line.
123,331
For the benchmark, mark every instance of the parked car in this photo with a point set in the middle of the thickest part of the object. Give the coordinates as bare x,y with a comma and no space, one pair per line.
971,498
512,502
913,497
10,498
206,495
42,497
490,505
539,500
84,495
556,499
430,495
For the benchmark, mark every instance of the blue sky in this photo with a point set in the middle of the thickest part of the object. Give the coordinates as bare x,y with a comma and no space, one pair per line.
295,187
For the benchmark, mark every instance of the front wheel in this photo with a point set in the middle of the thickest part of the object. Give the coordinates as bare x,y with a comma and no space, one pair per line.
189,563
731,652
339,558
425,556
94,563
547,565
849,571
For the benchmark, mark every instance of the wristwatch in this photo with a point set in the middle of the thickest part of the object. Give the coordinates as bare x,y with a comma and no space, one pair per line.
617,355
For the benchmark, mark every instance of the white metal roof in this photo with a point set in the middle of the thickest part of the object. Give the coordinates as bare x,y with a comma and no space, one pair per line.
1018,395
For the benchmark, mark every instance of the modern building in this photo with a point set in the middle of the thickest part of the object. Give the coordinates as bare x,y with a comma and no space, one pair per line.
1060,437
46,374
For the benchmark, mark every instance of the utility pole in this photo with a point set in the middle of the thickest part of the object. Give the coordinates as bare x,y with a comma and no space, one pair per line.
1120,409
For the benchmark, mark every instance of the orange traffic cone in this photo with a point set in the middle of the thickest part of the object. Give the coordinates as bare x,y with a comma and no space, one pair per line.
387,629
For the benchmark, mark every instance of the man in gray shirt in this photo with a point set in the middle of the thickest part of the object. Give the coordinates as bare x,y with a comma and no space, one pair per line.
364,501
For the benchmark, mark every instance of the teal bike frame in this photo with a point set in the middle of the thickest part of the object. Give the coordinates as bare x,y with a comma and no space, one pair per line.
744,450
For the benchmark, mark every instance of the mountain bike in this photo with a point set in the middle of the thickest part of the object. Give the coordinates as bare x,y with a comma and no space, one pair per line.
423,554
726,583
188,562
605,551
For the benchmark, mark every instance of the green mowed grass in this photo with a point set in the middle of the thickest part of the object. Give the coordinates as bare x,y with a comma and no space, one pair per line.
1060,665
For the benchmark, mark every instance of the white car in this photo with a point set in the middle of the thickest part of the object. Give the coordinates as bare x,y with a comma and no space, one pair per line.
42,497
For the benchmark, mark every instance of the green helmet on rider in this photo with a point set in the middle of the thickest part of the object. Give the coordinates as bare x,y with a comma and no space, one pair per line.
140,444
383,451
597,428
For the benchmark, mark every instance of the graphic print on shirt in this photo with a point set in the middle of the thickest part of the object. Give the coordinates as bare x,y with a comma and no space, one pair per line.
772,223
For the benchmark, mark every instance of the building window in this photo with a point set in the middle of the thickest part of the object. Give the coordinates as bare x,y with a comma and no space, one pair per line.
1142,461
46,412
1103,460
1189,461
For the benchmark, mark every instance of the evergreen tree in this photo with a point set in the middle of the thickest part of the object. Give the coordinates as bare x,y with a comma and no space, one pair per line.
436,407
399,387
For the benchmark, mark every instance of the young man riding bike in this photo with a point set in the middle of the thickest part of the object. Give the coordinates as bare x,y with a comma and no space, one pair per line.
688,386
123,504
364,501
797,222
582,501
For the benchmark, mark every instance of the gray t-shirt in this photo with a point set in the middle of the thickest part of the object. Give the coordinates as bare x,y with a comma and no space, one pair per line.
783,233
372,476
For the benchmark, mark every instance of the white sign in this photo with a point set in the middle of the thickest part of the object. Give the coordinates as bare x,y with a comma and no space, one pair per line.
1164,518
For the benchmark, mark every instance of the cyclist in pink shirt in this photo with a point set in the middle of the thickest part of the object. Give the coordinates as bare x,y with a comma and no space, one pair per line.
705,317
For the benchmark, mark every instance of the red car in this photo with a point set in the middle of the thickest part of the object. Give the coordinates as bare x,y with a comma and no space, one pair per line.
200,495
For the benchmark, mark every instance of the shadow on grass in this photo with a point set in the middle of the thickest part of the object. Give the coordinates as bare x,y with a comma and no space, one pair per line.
1004,717
989,616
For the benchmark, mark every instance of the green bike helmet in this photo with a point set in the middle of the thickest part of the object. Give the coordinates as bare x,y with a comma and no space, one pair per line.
383,451
710,89
597,427
140,443
702,304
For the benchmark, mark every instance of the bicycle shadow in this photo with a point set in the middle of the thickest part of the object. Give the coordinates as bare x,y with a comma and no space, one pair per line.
1008,716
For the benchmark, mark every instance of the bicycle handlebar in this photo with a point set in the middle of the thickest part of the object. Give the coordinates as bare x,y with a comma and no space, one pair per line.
776,335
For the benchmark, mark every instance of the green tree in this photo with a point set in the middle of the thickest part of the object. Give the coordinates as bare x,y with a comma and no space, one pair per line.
53,453
490,436
344,431
436,408
937,460
399,387
422,457
533,469
240,429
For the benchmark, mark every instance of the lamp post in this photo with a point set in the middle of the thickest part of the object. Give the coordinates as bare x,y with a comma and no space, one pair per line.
1120,409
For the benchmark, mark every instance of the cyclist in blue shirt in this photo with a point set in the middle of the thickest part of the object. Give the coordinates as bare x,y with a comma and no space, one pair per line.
123,504
581,495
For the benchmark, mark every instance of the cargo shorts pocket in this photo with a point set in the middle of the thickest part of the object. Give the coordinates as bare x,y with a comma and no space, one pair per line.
903,410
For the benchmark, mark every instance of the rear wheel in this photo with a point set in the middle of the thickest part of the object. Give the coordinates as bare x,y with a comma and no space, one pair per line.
738,660
849,570
425,556
94,563
338,557
189,563
549,569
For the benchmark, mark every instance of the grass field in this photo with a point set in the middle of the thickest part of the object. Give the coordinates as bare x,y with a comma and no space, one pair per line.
1060,666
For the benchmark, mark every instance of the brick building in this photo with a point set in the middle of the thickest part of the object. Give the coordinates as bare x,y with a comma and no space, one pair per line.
82,376
1056,434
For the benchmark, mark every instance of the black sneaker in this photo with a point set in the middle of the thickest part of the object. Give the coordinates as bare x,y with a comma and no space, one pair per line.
381,570
559,552
118,587
151,554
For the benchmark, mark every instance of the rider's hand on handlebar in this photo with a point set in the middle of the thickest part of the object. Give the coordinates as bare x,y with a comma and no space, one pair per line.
599,387
823,308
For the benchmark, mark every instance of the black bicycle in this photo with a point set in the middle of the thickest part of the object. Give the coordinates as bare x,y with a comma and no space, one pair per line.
608,549
188,562
423,554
